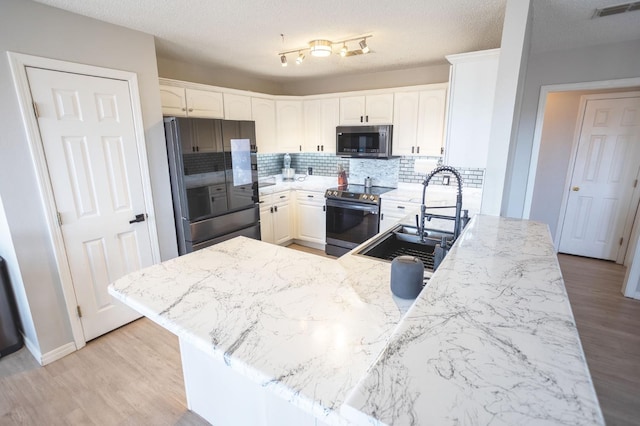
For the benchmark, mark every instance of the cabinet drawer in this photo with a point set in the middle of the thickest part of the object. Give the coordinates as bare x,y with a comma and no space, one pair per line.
310,197
395,208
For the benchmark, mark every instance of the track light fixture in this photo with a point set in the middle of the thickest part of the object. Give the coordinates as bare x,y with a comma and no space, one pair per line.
324,48
343,51
363,45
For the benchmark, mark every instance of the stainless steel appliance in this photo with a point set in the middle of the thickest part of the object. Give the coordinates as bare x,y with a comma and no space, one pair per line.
364,141
214,180
353,216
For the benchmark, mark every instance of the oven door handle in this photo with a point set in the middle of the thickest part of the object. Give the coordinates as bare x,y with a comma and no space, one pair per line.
373,209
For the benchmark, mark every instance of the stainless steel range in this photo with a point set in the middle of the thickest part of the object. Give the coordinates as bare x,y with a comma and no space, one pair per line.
353,216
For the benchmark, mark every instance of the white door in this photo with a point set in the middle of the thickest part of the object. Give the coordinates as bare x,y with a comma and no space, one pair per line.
87,131
598,216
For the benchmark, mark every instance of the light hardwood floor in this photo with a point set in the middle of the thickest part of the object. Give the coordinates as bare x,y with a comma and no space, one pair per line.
609,327
133,376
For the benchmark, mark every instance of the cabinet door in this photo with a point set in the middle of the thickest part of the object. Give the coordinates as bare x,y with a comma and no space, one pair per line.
431,122
352,110
266,224
289,125
312,125
379,109
405,123
263,112
237,107
311,222
204,104
173,100
282,223
471,94
321,116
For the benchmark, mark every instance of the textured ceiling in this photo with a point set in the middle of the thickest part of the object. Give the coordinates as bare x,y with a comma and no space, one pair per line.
245,35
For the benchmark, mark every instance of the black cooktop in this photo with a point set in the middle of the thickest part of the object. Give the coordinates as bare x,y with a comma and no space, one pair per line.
360,189
357,193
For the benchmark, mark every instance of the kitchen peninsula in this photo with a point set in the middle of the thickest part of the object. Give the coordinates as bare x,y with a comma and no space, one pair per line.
274,336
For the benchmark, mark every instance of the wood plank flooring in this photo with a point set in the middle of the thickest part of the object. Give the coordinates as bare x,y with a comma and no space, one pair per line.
609,328
133,375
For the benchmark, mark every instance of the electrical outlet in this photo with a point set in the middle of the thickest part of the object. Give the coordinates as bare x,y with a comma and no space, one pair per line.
445,180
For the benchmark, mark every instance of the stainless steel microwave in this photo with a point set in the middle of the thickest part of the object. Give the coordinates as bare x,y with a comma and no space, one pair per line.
364,141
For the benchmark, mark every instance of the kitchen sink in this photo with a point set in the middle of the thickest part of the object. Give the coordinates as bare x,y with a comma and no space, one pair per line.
403,240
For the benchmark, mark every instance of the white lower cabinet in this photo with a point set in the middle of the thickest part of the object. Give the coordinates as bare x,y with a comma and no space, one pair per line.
275,218
311,214
392,212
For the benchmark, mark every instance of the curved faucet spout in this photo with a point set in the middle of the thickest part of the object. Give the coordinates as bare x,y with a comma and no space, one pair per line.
423,216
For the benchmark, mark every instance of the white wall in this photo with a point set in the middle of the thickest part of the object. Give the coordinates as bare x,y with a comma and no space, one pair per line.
596,63
8,253
35,29
199,73
514,49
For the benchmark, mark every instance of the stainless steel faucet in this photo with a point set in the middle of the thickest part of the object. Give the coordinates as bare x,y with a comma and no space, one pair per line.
459,220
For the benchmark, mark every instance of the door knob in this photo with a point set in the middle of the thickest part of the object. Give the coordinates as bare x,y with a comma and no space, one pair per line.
139,218
575,188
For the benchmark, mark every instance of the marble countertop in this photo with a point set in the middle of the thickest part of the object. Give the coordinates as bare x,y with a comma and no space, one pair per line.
304,326
491,339
300,182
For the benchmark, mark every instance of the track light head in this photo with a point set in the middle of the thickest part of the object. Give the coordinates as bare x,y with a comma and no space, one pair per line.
363,46
283,60
300,58
343,51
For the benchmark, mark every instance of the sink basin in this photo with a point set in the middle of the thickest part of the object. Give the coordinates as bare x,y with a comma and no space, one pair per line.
403,240
410,234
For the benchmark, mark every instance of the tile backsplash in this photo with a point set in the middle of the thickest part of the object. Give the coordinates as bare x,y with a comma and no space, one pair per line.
383,172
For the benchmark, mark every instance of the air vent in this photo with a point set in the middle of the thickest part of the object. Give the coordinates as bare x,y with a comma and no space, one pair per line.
614,10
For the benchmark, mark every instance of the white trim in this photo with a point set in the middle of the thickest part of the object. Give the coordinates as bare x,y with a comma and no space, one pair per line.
569,175
57,353
18,63
544,91
33,348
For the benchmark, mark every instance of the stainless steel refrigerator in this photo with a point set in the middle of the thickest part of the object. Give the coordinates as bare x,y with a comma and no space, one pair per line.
214,180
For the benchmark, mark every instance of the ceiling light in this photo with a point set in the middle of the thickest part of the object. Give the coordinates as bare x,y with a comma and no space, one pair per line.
324,48
320,47
363,46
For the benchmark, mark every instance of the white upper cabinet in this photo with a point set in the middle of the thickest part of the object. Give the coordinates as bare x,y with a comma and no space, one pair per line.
418,127
471,92
289,125
321,116
205,104
174,101
237,107
363,110
181,102
263,112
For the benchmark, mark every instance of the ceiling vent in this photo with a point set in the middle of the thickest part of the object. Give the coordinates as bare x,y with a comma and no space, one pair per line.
614,10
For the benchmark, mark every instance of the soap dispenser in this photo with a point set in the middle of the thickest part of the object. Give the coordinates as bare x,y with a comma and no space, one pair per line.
287,161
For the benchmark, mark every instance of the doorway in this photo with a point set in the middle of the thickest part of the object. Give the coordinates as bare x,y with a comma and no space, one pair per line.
98,173
600,206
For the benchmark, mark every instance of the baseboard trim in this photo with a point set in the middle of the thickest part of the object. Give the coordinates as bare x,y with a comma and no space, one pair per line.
35,351
57,353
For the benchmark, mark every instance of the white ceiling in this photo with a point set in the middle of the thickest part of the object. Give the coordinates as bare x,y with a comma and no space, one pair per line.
245,34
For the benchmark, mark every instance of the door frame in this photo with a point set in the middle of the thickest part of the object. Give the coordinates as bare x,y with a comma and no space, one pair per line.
18,63
620,259
537,134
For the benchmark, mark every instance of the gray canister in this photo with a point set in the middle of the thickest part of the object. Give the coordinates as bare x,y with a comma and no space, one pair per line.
407,274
